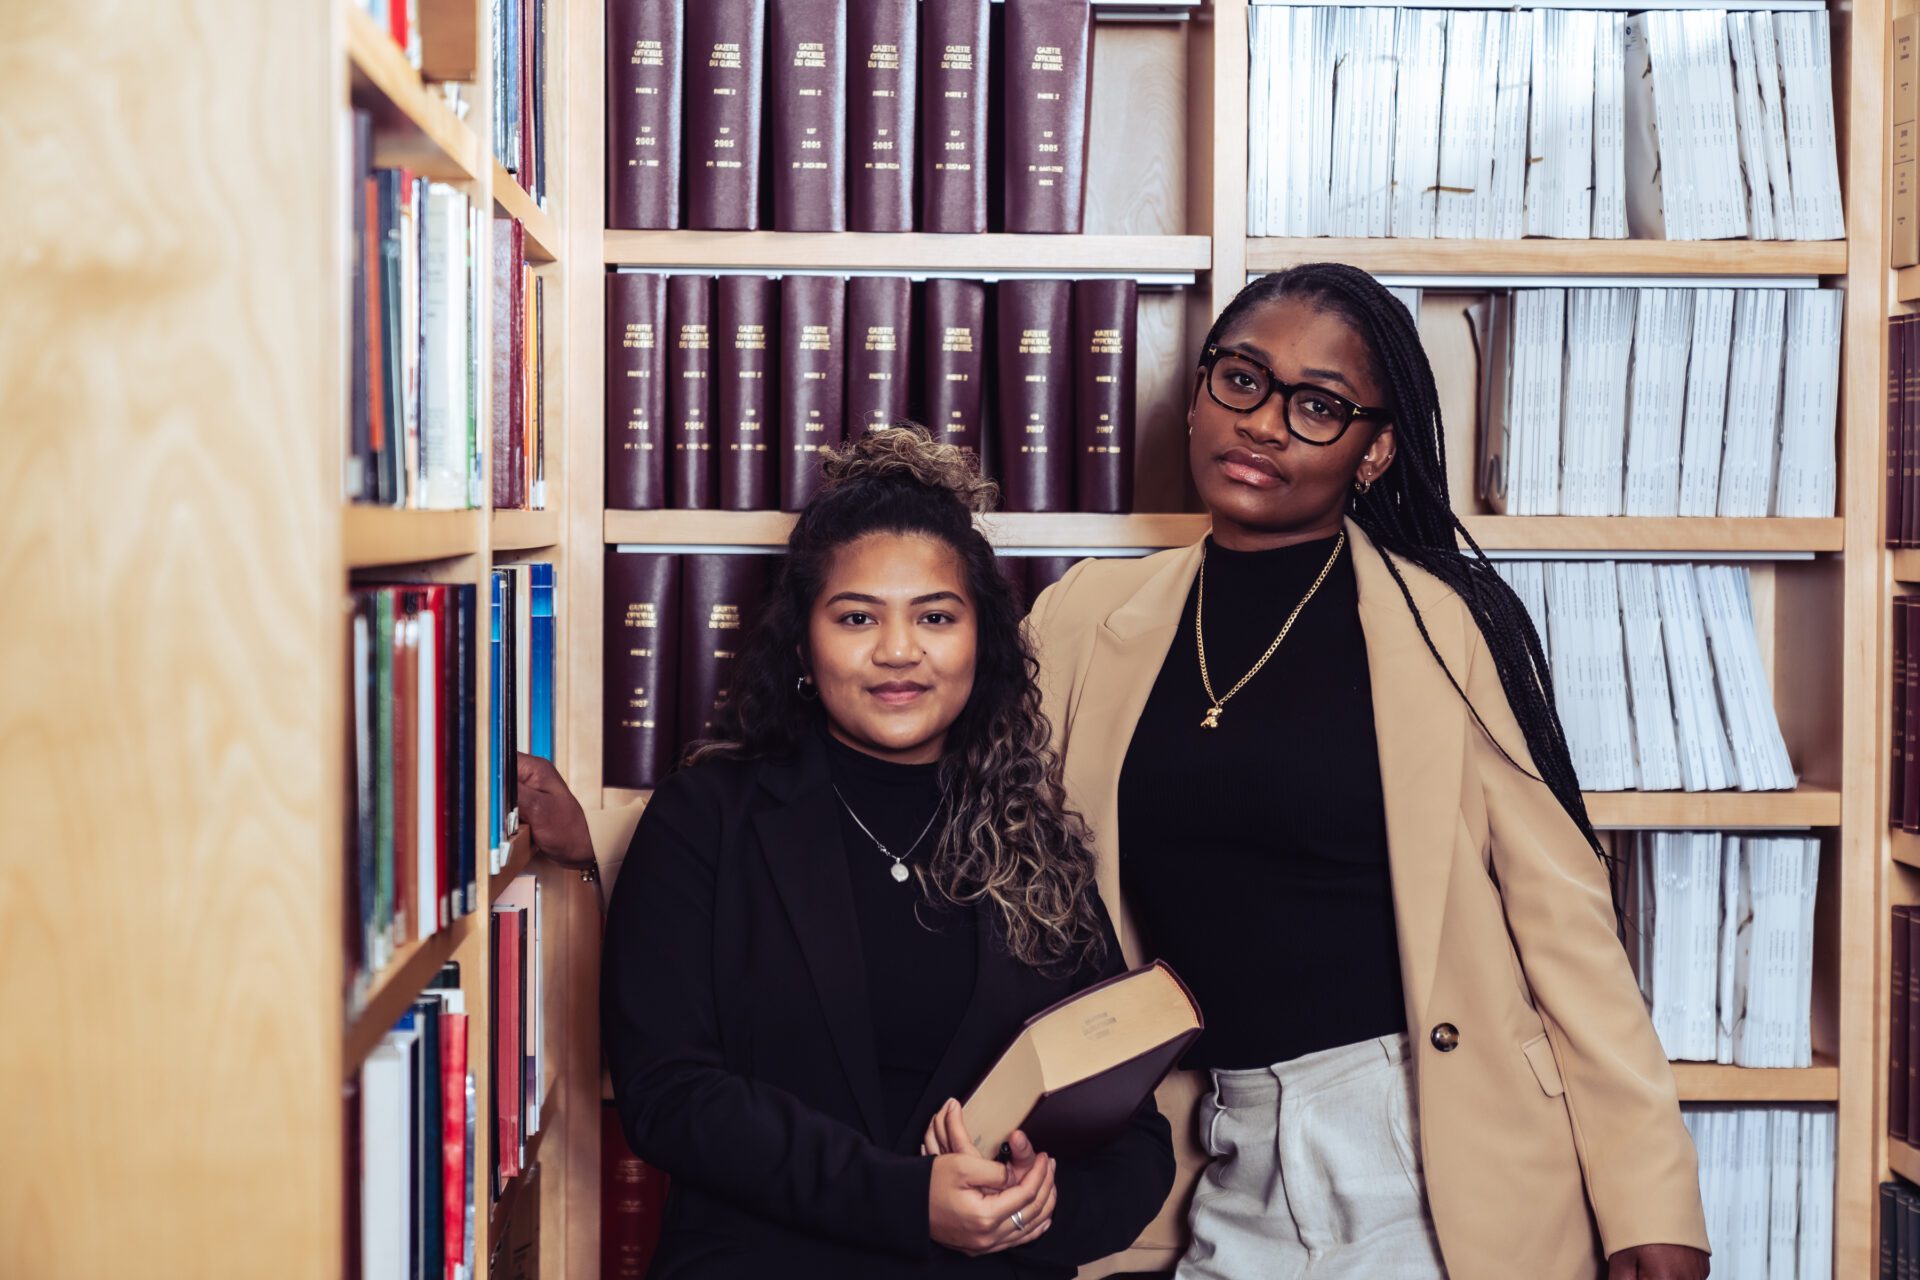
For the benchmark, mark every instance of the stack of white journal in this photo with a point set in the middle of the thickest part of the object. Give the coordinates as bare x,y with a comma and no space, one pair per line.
1720,932
1574,123
1659,402
1657,674
1766,1180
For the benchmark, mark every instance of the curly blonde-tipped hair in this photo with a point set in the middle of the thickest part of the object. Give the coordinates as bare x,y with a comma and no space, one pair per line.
1010,840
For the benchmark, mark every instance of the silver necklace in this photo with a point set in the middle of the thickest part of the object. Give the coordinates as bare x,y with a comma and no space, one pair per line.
899,871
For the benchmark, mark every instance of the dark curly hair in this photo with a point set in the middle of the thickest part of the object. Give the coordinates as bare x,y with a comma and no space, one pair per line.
1010,840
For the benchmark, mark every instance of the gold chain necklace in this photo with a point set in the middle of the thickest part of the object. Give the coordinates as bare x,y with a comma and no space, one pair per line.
1212,718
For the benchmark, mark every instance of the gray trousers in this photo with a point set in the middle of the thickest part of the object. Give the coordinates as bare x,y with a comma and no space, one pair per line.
1315,1172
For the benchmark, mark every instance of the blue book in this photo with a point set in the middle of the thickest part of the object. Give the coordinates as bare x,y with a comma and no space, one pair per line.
541,694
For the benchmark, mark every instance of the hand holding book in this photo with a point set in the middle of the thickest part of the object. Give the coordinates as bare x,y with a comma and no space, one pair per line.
980,1206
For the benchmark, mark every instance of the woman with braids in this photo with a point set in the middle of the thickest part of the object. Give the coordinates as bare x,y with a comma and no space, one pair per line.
834,917
1327,784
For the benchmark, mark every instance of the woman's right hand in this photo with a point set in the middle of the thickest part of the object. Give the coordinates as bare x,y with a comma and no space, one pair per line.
970,1204
557,823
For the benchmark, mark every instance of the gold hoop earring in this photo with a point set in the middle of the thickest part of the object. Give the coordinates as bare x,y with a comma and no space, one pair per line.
805,688
1361,486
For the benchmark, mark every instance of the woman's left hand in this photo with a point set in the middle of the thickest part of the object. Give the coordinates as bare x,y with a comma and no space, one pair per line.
947,1135
1658,1262
557,822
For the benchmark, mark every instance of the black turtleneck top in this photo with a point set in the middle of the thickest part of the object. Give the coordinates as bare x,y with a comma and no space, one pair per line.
1254,855
920,954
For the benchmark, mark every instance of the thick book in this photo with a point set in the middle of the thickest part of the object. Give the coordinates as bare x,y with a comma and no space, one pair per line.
1897,762
453,1133
507,372
882,74
1898,1117
726,48
642,643
747,330
633,1204
1049,63
807,66
1044,571
1034,458
879,350
636,391
509,932
953,115
690,475
1913,1019
1104,370
1908,677
644,41
1074,1076
813,314
720,598
953,341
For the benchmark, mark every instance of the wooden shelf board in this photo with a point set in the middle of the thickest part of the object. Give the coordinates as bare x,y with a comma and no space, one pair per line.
543,229
907,251
1903,1159
1904,848
415,127
519,854
525,530
1906,566
1711,1082
500,1213
396,987
1558,257
377,536
1906,284
1805,807
621,797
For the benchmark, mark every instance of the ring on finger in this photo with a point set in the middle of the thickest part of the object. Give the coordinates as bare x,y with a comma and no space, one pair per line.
1018,1223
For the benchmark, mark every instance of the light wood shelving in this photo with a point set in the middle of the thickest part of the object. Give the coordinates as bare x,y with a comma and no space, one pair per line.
543,235
1906,565
419,129
907,252
385,536
525,530
1558,257
1711,1082
398,986
1804,807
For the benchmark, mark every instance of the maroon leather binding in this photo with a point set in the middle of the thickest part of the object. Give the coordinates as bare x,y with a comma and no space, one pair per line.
953,340
644,39
1035,440
1014,570
719,603
1898,1119
726,43
1104,364
807,52
953,115
1049,74
636,392
882,72
879,347
642,642
748,335
813,314
690,392
1044,571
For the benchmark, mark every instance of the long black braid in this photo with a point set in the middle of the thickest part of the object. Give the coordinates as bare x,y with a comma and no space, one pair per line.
1409,512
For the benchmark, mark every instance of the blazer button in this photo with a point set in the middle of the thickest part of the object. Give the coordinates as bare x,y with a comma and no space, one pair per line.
1446,1037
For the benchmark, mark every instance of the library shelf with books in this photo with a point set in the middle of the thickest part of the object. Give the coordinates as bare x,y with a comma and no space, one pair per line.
1557,258
543,233
419,130
907,252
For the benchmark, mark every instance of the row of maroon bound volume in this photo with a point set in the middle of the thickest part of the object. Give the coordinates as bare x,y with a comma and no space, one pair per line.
675,625
1903,1040
1904,774
1903,431
845,106
721,394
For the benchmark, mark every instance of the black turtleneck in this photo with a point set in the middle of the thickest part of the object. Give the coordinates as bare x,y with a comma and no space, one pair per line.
919,954
1254,855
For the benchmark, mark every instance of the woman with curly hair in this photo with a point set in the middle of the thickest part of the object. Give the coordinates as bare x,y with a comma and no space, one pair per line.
836,914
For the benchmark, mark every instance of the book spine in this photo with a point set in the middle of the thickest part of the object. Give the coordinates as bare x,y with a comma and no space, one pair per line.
641,648
540,692
882,73
1896,357
1049,74
720,598
953,115
644,40
1044,571
690,392
466,659
879,346
636,392
748,332
807,56
453,1138
1897,772
510,469
813,362
726,43
633,1201
1899,1120
1035,365
1104,366
506,277
954,345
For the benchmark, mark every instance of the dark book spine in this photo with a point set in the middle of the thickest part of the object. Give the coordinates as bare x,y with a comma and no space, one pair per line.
953,115
1104,370
466,660
813,312
1035,466
879,349
1898,1119
1896,357
1049,74
636,392
360,439
807,60
642,644
1897,774
748,333
726,44
1044,571
954,342
882,72
690,392
1909,678
1913,1018
643,113
633,1202
720,598
1013,570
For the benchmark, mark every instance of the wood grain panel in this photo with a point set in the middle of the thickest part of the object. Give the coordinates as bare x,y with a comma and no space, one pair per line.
1136,130
1166,361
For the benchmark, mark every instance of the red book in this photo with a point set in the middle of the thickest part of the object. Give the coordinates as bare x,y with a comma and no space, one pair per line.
1896,357
882,71
438,617
1104,362
807,71
1897,772
1049,75
406,770
453,1135
644,38
879,346
953,341
1909,677
1913,1017
747,315
813,325
690,473
508,1052
636,408
633,1202
953,115
726,47
1034,461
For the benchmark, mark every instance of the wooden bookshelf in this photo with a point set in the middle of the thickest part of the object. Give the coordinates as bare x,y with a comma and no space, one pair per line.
1711,1082
378,537
525,530
907,252
1805,807
419,130
1906,565
398,986
1903,1159
1558,257
543,233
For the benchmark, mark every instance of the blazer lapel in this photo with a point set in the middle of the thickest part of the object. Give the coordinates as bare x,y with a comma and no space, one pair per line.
800,840
1420,723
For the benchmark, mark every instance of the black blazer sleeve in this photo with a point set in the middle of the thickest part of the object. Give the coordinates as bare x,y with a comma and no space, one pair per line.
682,1109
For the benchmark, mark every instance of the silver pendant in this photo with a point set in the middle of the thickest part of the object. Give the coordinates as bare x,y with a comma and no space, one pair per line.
900,872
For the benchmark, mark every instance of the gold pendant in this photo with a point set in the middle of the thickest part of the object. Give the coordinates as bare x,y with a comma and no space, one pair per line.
1212,719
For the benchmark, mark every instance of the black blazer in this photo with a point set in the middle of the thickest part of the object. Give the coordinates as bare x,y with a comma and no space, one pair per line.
737,1026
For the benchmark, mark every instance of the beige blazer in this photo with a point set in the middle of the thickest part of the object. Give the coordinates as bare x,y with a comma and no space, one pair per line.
1551,1132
